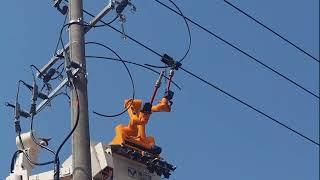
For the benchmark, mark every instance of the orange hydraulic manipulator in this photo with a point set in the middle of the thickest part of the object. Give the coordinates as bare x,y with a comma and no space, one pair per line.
134,133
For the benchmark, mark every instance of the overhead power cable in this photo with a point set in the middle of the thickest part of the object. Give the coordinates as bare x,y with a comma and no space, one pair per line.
249,106
244,103
238,49
273,31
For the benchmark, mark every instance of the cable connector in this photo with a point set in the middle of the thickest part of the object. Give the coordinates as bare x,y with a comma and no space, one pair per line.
169,61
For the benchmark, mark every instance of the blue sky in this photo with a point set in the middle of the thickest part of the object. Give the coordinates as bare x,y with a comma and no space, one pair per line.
207,134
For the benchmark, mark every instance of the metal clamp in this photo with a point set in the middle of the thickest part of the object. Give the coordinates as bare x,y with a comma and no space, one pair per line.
75,21
169,61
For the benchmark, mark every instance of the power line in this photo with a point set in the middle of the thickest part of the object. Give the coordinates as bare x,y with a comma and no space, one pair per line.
230,95
130,76
240,50
249,106
274,32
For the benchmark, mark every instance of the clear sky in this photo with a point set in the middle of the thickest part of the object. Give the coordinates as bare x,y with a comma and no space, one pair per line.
207,134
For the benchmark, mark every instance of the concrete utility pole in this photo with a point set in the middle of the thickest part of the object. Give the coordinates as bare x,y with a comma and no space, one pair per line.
81,137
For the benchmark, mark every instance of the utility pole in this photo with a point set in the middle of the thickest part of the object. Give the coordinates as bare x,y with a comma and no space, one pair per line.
81,158
132,159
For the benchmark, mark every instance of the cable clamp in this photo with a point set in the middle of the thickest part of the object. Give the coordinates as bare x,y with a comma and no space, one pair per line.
170,62
75,21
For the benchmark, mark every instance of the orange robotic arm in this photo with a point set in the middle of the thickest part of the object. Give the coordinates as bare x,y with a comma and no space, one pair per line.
133,111
162,106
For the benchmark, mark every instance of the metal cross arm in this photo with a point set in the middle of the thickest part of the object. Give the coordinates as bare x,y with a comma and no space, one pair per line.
54,92
92,23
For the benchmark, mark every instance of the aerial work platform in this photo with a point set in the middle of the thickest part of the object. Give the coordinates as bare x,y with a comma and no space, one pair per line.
109,162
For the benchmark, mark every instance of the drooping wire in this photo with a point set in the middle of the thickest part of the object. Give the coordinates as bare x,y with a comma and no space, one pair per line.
130,76
240,50
189,36
133,63
56,159
20,139
22,150
32,120
249,106
272,31
189,32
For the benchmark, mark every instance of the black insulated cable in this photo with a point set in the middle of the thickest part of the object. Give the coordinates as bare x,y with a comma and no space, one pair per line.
241,51
151,50
272,31
130,76
56,159
35,94
251,107
18,131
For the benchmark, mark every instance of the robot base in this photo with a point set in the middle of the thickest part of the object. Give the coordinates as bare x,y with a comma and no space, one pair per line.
112,162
